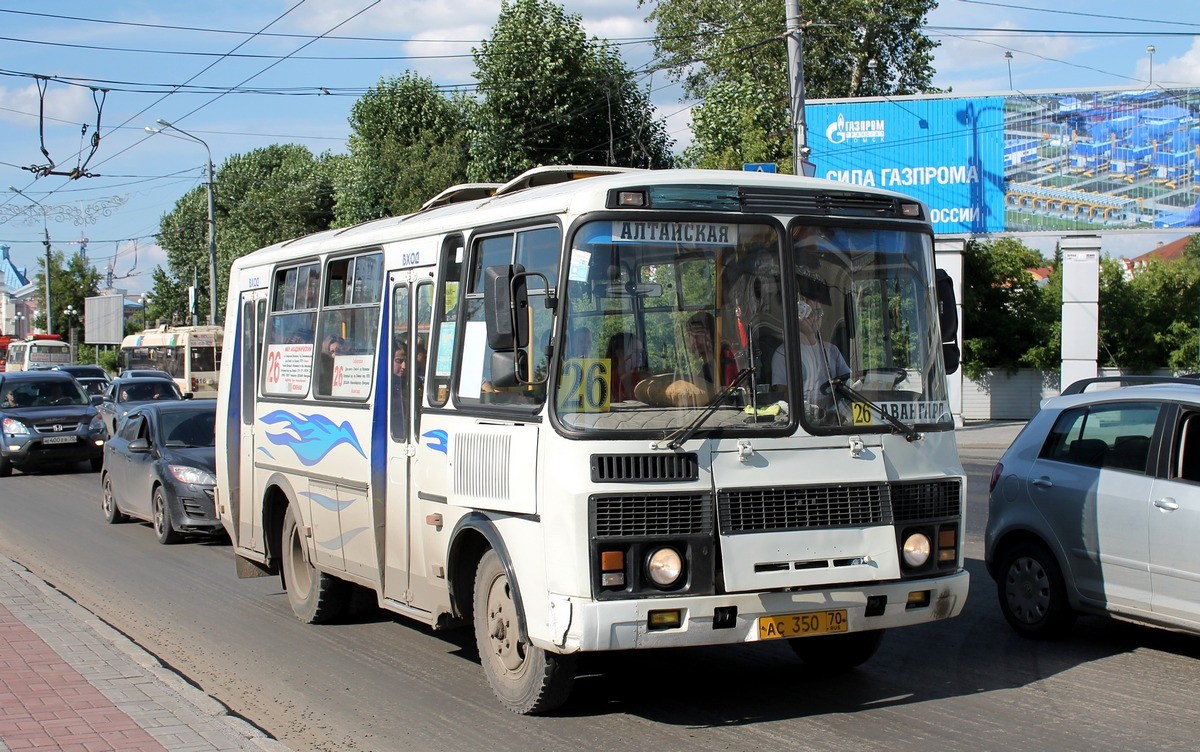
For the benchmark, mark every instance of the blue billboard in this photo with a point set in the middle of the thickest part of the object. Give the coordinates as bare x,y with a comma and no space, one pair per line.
949,153
1067,161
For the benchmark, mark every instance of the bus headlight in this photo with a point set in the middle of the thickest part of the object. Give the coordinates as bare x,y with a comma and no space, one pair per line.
664,566
916,550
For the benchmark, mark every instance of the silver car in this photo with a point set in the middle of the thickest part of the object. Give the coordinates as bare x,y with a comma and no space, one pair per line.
1096,508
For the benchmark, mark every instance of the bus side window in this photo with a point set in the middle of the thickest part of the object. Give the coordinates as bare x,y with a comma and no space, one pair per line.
401,363
445,320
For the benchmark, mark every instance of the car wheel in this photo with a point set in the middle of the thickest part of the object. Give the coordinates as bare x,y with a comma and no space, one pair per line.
316,597
5,468
162,519
1032,594
839,652
525,678
108,502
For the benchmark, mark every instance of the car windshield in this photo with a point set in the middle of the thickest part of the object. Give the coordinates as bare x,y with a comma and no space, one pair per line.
148,391
56,393
188,429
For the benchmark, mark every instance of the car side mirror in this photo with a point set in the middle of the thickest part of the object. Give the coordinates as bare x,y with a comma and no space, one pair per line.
187,395
139,446
96,399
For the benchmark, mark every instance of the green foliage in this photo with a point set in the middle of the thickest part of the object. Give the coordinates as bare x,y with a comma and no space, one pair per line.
732,56
1149,322
551,95
408,142
1005,313
107,359
71,281
262,197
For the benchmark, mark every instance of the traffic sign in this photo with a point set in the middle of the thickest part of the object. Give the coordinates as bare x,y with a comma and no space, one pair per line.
759,167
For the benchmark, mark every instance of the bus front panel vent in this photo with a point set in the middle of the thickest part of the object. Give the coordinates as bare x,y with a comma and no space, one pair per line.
642,468
650,515
926,500
758,510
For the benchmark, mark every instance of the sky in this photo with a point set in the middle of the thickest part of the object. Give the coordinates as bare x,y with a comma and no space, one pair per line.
296,81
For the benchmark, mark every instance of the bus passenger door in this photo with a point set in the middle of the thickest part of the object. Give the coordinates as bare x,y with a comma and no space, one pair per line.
248,518
399,397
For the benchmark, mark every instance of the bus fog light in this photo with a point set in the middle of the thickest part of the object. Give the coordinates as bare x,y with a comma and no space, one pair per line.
916,549
664,567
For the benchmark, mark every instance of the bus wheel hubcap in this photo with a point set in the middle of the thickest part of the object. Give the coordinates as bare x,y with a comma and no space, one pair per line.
502,632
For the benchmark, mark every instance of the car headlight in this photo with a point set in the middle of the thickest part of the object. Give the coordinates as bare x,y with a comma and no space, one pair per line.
187,474
14,427
664,566
916,550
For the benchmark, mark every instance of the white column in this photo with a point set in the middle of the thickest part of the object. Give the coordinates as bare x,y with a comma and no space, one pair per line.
948,256
1080,308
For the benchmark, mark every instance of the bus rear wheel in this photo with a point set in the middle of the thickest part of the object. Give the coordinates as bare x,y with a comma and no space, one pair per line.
316,597
836,653
525,678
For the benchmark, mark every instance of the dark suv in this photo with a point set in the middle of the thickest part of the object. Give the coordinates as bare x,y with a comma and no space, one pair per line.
47,419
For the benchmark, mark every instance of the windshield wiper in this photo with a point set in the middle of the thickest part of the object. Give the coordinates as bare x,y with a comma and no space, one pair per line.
691,428
901,427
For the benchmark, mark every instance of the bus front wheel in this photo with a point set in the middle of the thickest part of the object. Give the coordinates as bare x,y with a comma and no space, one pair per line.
525,678
316,597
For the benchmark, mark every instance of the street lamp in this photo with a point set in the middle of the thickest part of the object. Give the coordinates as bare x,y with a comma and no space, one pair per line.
19,319
46,242
71,313
1008,58
1150,52
145,301
212,222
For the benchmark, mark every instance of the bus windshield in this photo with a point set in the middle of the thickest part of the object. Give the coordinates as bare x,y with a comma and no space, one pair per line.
664,319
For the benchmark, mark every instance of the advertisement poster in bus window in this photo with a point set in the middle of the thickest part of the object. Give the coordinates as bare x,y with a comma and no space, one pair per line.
948,153
289,367
351,376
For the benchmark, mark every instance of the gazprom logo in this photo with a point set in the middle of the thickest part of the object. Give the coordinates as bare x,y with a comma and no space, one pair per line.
842,130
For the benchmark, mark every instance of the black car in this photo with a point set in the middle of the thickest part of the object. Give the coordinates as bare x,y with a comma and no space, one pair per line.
159,467
126,393
80,371
93,385
132,373
47,419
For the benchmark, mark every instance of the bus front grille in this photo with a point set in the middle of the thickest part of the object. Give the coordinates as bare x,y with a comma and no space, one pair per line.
640,468
830,203
650,515
751,510
926,500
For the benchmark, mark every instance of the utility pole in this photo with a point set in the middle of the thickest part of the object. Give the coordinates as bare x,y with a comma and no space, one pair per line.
795,52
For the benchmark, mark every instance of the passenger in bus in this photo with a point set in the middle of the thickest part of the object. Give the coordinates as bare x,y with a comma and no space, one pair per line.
627,357
331,347
399,387
820,361
700,344
419,366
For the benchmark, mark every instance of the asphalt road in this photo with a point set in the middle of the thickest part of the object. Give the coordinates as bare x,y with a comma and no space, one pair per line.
378,682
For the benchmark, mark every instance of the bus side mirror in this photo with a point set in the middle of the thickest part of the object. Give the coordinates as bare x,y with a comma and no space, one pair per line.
507,367
506,307
948,321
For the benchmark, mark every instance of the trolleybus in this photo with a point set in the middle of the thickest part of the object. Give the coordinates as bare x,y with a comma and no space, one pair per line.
37,351
191,354
617,435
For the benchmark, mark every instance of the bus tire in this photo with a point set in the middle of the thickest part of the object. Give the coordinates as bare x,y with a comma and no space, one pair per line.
316,597
836,653
525,678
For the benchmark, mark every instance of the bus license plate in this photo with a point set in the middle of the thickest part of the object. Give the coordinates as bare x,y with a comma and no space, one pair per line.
801,625
60,439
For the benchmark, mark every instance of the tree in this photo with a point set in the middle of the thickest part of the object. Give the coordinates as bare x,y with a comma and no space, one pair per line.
263,197
551,95
71,281
1005,315
408,142
732,56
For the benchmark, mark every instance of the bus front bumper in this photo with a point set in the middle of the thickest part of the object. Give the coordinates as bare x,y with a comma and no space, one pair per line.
623,625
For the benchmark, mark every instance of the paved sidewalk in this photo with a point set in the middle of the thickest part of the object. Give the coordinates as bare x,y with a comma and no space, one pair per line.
989,435
68,681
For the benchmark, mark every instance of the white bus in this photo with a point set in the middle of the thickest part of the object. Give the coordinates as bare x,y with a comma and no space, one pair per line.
191,354
608,446
37,351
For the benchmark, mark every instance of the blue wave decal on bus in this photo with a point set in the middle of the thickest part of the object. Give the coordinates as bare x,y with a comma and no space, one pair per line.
333,544
327,502
268,454
311,437
438,440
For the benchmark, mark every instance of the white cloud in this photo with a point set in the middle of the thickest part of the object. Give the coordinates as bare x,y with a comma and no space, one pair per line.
73,104
1181,70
